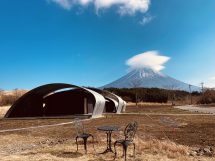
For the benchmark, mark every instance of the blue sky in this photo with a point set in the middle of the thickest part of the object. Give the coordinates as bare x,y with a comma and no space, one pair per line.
87,42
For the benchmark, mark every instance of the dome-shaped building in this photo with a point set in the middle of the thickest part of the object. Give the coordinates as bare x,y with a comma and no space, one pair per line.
59,99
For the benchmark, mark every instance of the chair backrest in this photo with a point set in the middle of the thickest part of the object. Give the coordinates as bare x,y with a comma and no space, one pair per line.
130,131
79,126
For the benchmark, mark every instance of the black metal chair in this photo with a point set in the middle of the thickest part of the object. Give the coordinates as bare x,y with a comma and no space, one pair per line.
129,134
81,133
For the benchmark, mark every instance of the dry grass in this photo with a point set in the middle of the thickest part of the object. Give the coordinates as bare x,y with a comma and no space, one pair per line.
9,97
151,150
168,148
3,110
57,143
155,108
148,104
155,140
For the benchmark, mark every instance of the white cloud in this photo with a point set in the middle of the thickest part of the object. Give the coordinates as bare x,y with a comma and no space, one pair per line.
66,4
125,7
212,78
149,59
210,82
146,20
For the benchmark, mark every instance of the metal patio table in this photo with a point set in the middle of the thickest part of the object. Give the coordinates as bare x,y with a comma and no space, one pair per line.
108,129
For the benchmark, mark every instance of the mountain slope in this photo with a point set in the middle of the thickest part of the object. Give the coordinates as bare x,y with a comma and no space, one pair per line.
148,78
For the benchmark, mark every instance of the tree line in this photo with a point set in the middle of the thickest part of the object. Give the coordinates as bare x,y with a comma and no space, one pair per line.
151,94
157,95
207,97
11,97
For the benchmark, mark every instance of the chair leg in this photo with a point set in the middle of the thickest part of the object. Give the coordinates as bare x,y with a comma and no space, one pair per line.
134,150
125,151
93,142
107,139
76,140
115,153
85,144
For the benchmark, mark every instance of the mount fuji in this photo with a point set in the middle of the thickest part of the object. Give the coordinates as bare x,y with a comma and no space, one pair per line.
148,78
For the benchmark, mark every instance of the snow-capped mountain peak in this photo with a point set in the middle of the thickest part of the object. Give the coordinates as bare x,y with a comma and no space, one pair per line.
148,78
148,73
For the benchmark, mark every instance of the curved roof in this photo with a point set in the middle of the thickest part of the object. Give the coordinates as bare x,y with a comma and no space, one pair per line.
100,103
42,91
120,104
114,101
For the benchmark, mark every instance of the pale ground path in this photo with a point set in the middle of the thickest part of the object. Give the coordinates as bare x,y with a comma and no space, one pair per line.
169,114
192,108
71,122
42,126
35,127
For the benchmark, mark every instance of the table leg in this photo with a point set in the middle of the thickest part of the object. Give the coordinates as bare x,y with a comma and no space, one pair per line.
109,143
108,149
107,140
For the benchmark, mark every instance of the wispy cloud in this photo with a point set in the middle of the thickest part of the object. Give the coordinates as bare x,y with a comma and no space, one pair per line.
125,7
146,19
66,4
149,59
210,82
212,78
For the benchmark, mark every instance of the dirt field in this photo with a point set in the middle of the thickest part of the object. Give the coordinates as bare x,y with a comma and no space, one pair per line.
158,138
155,109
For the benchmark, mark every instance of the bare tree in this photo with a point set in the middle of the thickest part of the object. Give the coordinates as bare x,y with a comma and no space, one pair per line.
1,91
171,94
16,93
135,83
1,94
191,99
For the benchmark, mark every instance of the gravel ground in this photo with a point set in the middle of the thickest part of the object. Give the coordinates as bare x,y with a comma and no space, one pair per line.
192,108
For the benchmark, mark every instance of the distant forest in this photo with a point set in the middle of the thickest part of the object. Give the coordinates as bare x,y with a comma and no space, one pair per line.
137,95
152,94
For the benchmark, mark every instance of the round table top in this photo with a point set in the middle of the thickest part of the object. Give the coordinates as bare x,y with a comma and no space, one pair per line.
108,128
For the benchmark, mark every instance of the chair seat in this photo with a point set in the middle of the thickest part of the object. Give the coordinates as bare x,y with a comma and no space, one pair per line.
129,134
123,141
81,134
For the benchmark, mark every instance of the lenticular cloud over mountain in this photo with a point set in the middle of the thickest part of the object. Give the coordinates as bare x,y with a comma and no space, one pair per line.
146,73
149,59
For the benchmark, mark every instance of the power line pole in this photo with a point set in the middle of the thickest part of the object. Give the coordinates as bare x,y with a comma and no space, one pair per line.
203,97
202,85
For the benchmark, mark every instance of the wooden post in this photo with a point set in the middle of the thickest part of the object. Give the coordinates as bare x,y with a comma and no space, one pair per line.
85,106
